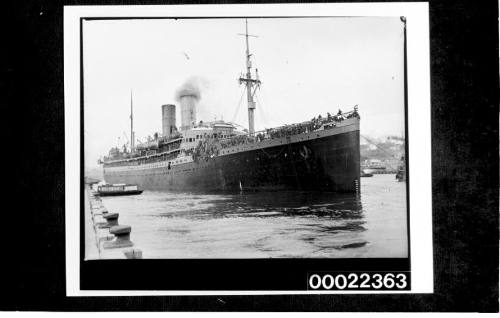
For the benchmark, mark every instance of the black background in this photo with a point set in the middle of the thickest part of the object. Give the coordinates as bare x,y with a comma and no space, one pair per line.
464,78
221,274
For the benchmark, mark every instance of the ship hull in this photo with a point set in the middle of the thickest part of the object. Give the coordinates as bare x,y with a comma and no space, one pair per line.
326,162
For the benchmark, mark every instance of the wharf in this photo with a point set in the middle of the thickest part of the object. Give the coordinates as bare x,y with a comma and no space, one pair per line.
104,237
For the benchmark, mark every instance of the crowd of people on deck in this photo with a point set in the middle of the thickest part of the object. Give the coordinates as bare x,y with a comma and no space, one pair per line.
206,148
211,147
236,140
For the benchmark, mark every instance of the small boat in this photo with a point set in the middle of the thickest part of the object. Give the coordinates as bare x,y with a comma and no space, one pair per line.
366,174
118,189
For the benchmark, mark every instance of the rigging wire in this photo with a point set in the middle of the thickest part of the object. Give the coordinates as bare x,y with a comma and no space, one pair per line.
238,107
262,111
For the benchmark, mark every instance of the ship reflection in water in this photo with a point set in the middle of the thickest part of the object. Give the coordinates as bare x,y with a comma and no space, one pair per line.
269,224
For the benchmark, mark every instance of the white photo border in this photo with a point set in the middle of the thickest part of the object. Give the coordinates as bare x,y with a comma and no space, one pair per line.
418,129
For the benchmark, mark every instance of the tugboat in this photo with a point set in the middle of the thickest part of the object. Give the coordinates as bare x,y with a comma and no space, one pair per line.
118,189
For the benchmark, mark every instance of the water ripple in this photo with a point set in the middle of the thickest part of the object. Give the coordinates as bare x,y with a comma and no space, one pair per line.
268,224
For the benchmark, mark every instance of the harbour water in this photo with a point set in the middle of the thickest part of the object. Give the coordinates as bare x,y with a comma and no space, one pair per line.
269,224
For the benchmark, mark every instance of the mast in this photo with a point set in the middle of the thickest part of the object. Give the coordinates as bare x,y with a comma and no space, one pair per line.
250,82
132,143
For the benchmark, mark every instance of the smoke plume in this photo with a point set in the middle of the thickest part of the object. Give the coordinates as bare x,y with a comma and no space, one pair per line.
191,87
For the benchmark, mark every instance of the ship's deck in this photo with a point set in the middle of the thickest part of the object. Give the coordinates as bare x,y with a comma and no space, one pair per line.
345,126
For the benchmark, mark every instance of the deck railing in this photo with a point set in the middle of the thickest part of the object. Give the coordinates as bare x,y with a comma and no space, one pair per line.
314,124
211,146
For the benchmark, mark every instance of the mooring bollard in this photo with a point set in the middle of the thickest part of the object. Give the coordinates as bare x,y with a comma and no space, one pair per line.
99,214
100,211
133,253
111,220
122,234
95,206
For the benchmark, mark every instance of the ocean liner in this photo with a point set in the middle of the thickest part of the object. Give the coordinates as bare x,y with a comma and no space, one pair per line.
320,154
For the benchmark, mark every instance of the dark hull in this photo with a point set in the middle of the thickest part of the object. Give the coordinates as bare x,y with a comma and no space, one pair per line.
330,163
116,193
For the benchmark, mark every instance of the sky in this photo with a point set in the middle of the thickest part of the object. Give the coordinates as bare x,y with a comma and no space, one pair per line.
308,66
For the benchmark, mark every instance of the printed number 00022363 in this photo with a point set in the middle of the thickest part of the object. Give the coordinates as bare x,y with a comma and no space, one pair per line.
358,281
